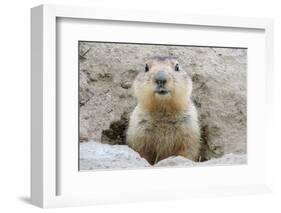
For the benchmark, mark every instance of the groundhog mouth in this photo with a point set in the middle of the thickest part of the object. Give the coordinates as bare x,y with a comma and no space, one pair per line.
161,91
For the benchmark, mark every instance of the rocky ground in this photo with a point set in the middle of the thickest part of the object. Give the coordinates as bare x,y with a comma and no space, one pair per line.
219,77
94,155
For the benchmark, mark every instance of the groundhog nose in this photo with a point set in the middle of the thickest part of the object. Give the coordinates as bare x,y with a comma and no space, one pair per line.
161,78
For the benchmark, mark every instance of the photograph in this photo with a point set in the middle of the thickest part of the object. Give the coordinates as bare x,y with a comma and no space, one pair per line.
149,105
161,105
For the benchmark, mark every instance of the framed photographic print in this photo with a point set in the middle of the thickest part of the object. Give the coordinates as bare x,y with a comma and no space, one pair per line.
129,106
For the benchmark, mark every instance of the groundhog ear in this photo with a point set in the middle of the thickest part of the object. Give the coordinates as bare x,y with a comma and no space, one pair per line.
146,68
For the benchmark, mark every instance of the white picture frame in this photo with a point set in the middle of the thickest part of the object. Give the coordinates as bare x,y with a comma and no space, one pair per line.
45,168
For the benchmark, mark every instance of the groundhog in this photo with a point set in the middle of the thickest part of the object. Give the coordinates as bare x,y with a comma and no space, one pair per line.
164,123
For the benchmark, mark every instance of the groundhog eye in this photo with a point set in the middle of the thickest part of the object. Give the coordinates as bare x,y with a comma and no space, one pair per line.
146,68
177,67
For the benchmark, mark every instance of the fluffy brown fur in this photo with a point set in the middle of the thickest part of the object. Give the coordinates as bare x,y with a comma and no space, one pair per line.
164,125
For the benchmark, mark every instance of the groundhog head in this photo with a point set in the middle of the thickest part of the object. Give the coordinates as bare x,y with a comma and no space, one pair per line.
162,86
